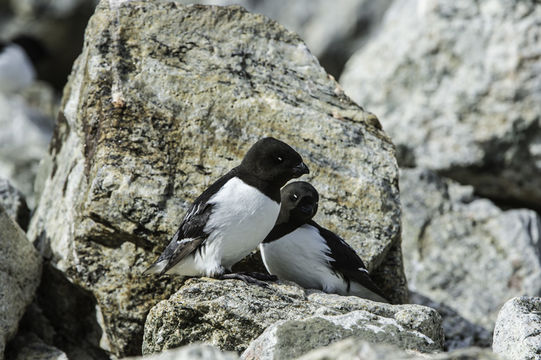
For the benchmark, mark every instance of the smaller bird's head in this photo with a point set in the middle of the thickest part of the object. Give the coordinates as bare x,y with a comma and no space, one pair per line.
299,201
273,161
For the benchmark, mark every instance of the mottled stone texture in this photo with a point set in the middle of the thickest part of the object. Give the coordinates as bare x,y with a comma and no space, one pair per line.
333,30
230,314
517,334
20,269
458,87
163,100
357,348
464,251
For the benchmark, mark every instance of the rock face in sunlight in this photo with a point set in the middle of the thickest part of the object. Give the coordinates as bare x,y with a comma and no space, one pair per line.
20,268
456,85
230,314
464,251
333,30
163,100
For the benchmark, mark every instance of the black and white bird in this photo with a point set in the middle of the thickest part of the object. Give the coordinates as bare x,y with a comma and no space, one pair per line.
231,218
18,58
299,250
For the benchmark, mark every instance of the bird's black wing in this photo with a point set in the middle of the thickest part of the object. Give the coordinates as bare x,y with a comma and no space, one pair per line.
191,233
346,261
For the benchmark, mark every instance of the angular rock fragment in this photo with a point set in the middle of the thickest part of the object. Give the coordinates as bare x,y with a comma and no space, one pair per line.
356,348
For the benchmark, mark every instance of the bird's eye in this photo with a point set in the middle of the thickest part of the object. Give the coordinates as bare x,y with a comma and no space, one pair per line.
293,197
280,159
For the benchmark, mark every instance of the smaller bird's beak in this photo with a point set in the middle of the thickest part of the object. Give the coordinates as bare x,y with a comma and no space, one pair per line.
300,169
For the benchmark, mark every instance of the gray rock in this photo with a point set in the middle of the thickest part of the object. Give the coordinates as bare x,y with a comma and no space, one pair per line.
458,331
20,269
13,201
31,347
163,100
517,334
231,314
456,84
25,132
357,348
332,30
191,352
464,251
288,339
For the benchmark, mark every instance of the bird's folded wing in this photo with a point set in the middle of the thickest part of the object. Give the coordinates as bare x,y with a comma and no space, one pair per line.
189,237
347,262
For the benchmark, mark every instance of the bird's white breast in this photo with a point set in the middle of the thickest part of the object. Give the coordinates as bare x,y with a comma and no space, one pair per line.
242,217
302,257
16,69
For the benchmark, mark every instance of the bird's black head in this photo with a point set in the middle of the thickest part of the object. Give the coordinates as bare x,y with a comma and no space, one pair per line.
299,203
273,161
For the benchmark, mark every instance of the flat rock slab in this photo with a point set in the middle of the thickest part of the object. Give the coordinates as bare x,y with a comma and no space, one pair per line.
230,314
517,334
20,273
456,85
163,100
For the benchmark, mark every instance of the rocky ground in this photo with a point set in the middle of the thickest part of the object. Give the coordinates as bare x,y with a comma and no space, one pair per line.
427,157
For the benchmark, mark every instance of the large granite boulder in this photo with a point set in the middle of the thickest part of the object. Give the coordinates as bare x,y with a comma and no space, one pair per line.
456,84
517,334
231,314
355,348
163,100
464,251
20,270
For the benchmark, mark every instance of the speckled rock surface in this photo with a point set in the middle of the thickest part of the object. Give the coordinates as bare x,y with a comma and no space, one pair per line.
356,348
456,85
333,30
517,334
163,100
288,339
13,201
464,251
231,314
20,269
191,352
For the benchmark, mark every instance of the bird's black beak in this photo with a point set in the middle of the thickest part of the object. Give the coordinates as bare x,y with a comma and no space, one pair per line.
300,170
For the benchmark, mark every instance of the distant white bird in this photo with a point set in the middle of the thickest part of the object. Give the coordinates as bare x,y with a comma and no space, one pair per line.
18,58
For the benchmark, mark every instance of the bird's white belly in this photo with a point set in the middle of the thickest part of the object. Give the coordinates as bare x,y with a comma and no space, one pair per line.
300,256
242,217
